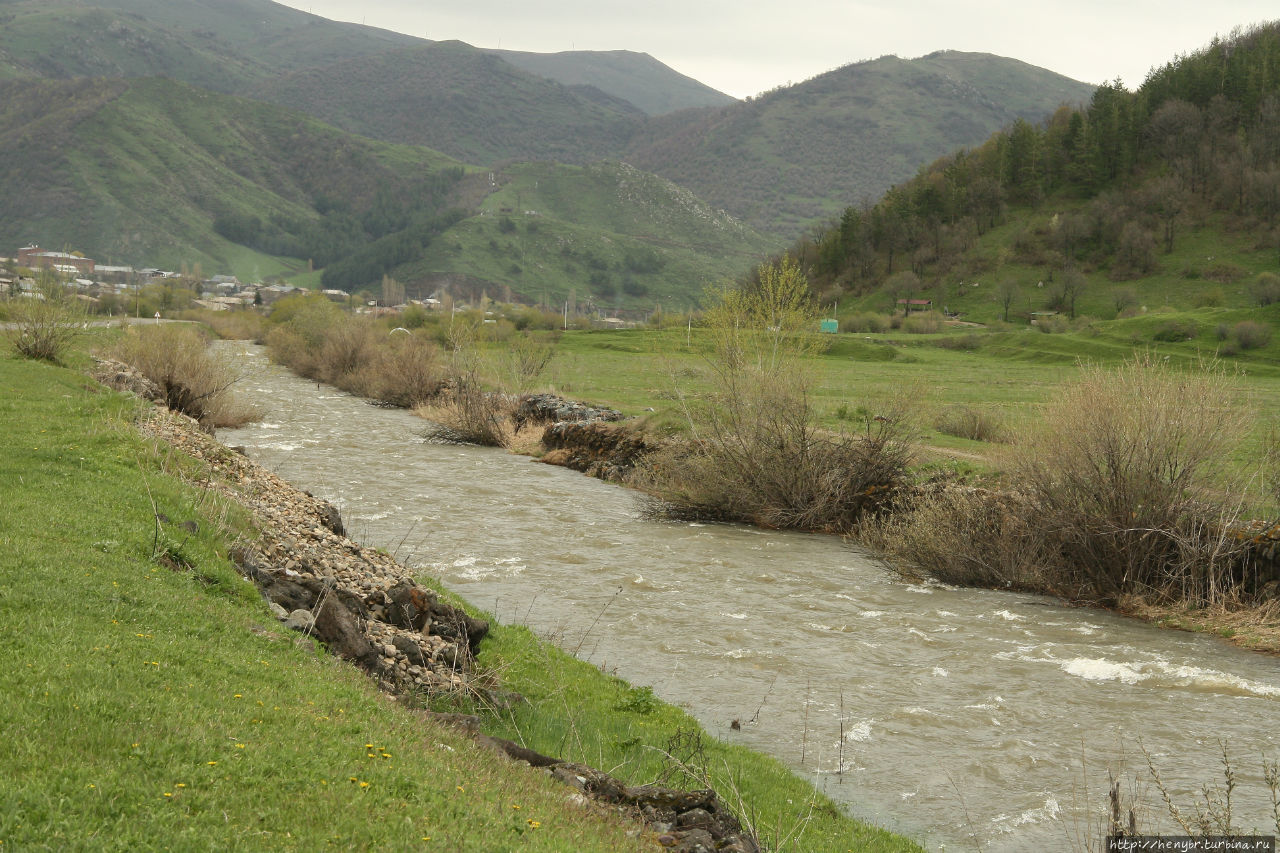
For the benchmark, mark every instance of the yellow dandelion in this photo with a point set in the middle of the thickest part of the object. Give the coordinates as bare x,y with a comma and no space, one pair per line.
237,696
239,746
211,763
460,788
364,784
168,794
515,806
533,824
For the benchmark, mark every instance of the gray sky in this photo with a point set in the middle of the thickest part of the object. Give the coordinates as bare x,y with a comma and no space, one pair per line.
743,48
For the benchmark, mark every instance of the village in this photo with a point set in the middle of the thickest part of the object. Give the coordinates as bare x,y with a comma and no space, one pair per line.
114,290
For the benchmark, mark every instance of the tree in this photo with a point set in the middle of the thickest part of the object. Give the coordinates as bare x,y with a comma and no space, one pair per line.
1071,284
1007,294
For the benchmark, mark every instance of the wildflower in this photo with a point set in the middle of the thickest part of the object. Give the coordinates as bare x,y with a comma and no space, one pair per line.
237,696
239,746
168,794
533,824
515,806
364,784
211,763
460,788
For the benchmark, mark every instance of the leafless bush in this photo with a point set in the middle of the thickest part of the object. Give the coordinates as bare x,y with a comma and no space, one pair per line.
194,381
1123,475
43,327
1119,493
467,413
405,371
972,423
966,536
756,453
926,323
1250,334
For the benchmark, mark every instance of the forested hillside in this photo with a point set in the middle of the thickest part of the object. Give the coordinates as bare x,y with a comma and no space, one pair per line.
1108,190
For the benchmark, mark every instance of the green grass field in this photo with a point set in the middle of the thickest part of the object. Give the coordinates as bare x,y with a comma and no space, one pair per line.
147,708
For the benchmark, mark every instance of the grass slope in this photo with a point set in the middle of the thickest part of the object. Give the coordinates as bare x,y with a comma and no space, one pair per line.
789,157
147,707
136,171
607,233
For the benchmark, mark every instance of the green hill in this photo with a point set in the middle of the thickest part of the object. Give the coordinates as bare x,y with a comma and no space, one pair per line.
793,156
1140,202
606,234
155,172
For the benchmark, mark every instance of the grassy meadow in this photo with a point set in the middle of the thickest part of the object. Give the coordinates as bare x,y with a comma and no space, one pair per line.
150,708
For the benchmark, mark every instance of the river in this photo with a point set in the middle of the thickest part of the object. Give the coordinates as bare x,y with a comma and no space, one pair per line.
963,718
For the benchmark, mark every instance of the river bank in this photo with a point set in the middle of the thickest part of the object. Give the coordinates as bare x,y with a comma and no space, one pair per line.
368,608
770,628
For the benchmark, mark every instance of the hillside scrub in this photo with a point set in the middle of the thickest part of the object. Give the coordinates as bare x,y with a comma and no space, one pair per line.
1119,493
756,453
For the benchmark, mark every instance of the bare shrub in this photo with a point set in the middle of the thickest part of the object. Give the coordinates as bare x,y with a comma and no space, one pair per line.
867,322
1266,288
45,325
405,371
1052,324
756,454
1251,334
347,347
924,323
961,535
972,423
466,412
194,381
1119,493
1122,475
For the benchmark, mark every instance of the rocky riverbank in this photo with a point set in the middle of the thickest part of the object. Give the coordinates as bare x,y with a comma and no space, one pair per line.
367,608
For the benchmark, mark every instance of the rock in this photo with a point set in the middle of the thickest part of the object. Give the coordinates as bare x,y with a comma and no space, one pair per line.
410,605
300,620
411,650
336,627
332,519
278,611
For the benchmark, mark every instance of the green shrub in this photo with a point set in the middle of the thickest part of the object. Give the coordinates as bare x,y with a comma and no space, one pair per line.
1212,297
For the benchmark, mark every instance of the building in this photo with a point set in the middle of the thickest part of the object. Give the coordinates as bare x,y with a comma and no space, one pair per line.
37,258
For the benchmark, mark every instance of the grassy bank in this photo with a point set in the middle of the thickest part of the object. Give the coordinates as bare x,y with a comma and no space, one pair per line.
146,707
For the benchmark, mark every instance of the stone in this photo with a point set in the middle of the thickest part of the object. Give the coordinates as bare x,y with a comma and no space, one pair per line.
300,620
277,611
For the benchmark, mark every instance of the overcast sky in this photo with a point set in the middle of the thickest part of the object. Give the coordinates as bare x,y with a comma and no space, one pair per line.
743,48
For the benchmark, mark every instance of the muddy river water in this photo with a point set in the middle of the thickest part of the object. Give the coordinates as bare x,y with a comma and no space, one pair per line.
962,718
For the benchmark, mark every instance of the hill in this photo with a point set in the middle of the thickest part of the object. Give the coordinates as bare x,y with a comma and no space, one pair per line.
224,46
793,156
459,100
606,235
1164,197
151,171
637,78
233,45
